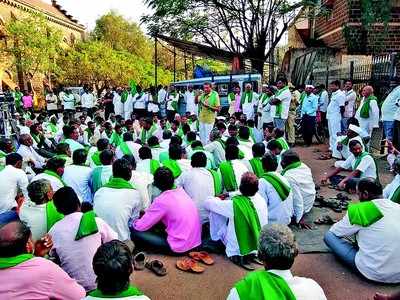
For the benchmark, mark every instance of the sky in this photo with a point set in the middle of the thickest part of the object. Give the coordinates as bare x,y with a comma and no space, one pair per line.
87,11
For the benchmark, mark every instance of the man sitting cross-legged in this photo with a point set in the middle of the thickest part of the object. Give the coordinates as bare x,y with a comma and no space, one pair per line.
232,169
112,265
52,172
118,202
76,237
178,215
237,221
254,164
102,174
301,181
24,276
277,250
276,191
362,165
374,223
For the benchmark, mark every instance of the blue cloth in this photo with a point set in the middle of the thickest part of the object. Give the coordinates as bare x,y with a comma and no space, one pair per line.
309,105
280,123
388,129
342,249
8,216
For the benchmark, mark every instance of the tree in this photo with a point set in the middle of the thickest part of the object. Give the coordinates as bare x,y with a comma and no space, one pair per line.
33,48
249,27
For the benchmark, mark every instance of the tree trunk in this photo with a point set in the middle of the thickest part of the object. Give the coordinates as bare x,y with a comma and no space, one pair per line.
258,65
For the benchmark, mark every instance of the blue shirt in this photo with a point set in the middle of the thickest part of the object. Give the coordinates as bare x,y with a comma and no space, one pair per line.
309,105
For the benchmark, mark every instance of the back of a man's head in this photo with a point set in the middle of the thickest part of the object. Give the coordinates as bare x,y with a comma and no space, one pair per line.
127,137
106,157
145,153
289,157
153,141
163,179
38,191
269,162
131,159
62,149
248,184
244,132
122,169
231,152
79,157
369,189
66,200
277,247
14,237
14,159
191,136
54,164
167,134
176,140
199,160
102,144
175,152
112,265
258,149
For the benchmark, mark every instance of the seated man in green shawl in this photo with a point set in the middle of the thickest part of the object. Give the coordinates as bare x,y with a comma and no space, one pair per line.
277,250
112,265
374,224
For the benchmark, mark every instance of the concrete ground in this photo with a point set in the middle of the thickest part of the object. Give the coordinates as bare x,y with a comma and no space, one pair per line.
337,281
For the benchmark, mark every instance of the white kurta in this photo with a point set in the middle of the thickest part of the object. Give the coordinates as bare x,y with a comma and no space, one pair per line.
78,177
391,188
12,180
216,149
248,106
367,166
372,121
118,105
334,116
191,106
55,183
128,107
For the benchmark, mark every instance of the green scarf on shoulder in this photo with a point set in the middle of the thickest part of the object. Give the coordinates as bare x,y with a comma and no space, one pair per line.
129,292
228,176
396,195
119,183
115,139
231,97
279,107
247,224
125,148
87,225
54,174
364,111
280,187
364,213
360,158
283,143
174,167
292,166
124,96
256,166
9,262
96,158
263,285
154,165
52,215
146,134
217,182
246,97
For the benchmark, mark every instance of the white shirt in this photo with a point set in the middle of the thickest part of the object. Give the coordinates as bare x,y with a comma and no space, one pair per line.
35,217
29,154
222,224
134,147
367,166
216,149
87,100
245,147
338,99
11,180
285,97
351,97
51,101
323,101
391,188
172,99
143,183
152,107
55,183
389,107
118,105
302,288
279,212
139,102
191,106
198,183
117,207
78,177
238,169
378,256
303,189
128,106
68,101
373,121
248,107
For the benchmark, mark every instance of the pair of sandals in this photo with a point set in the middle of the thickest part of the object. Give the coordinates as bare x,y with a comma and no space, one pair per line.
325,220
337,205
191,263
246,261
156,266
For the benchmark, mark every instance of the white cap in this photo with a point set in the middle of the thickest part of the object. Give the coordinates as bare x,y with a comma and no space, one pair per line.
310,86
355,128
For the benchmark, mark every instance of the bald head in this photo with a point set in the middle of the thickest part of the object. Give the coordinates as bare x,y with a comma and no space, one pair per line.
367,91
249,184
13,239
25,139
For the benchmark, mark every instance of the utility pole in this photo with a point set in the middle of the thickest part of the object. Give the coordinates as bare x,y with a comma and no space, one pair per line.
174,64
155,60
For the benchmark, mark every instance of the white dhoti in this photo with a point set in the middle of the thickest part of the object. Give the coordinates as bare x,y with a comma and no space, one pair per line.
128,108
334,127
204,132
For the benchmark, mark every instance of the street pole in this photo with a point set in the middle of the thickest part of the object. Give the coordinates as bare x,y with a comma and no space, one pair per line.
155,60
174,64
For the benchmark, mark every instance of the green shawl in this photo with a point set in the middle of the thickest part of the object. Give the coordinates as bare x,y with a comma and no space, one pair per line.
364,111
52,215
217,182
264,99
364,213
54,174
396,195
359,159
283,143
212,99
263,285
246,97
292,166
228,176
146,134
9,262
124,96
115,139
247,224
96,158
119,183
154,165
52,128
280,187
231,97
256,166
279,107
129,292
125,148
87,225
173,166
